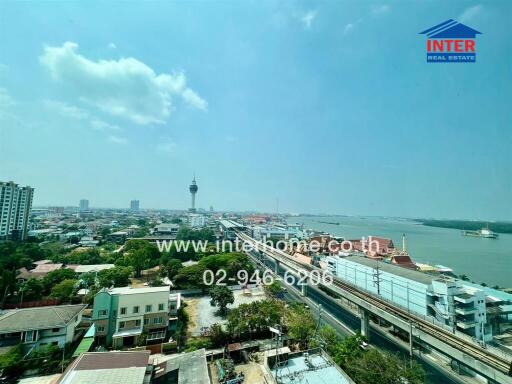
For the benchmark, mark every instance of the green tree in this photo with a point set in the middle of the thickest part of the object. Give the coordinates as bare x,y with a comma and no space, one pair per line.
190,277
274,289
32,289
141,254
55,277
114,277
156,282
301,324
221,296
11,362
64,290
173,267
217,335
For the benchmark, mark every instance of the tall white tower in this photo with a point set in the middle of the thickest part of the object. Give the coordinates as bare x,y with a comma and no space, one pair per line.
193,190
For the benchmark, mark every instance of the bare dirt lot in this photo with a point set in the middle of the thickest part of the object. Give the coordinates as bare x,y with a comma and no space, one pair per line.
203,315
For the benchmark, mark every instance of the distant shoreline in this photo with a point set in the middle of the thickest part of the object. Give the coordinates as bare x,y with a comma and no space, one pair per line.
468,225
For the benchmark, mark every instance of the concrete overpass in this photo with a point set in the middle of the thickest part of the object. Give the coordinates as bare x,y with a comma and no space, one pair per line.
488,362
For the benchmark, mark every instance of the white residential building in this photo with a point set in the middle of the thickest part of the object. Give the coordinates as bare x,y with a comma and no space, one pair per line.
39,326
446,300
196,220
15,206
121,315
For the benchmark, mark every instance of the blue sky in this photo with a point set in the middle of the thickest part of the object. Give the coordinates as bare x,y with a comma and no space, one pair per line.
327,106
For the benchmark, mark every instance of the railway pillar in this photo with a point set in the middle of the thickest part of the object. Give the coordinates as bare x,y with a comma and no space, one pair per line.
365,323
276,267
303,288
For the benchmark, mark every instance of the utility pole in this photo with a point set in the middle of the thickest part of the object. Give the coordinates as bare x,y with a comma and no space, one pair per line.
376,278
410,323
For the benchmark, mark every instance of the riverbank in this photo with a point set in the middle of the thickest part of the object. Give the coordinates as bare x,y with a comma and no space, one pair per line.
468,225
482,260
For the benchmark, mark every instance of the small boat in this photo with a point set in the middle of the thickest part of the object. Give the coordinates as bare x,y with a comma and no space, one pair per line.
484,232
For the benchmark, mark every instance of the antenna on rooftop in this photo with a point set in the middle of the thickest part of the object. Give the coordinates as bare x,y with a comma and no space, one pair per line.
404,248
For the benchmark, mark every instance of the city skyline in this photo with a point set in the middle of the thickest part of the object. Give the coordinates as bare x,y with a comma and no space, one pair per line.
364,126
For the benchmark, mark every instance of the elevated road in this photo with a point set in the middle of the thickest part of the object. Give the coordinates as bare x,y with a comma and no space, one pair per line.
491,364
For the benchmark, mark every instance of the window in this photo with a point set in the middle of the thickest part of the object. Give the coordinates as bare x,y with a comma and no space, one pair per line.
102,312
121,324
158,320
137,323
146,321
149,308
55,329
173,307
101,329
160,307
30,336
123,311
136,309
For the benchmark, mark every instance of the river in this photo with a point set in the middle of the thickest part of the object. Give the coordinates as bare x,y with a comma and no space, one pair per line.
482,260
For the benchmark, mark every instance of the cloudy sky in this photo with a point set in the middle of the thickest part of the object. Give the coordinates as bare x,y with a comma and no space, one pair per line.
327,106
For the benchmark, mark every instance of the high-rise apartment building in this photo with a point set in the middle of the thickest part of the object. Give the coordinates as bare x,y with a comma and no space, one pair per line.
84,205
15,206
134,205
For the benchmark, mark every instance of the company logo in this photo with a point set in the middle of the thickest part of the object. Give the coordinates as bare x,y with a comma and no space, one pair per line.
451,42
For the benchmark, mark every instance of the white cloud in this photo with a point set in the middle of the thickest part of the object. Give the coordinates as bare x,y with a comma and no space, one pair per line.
308,18
77,113
348,28
66,110
470,13
166,146
126,87
378,10
6,101
117,140
101,125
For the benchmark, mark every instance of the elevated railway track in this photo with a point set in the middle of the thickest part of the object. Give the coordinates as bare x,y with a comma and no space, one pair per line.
486,362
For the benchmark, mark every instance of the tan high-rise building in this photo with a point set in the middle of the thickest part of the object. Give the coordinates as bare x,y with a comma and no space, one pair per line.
15,206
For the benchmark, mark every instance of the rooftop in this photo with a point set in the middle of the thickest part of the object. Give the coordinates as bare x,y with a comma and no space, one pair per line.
92,268
192,367
410,274
39,318
312,369
135,291
107,368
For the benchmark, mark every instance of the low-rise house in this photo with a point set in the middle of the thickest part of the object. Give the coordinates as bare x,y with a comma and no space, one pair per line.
39,326
166,229
109,368
183,368
78,268
124,316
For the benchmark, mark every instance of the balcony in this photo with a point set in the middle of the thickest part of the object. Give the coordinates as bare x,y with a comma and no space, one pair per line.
466,324
465,298
465,311
126,332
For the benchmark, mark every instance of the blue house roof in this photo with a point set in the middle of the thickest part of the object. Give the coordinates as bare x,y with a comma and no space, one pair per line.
450,29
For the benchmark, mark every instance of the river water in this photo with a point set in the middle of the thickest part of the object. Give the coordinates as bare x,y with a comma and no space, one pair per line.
482,260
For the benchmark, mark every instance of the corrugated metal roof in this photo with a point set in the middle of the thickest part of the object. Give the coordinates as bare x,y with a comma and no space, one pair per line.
393,269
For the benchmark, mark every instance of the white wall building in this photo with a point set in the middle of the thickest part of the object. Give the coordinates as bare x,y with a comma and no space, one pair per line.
121,315
15,206
41,325
449,301
196,221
